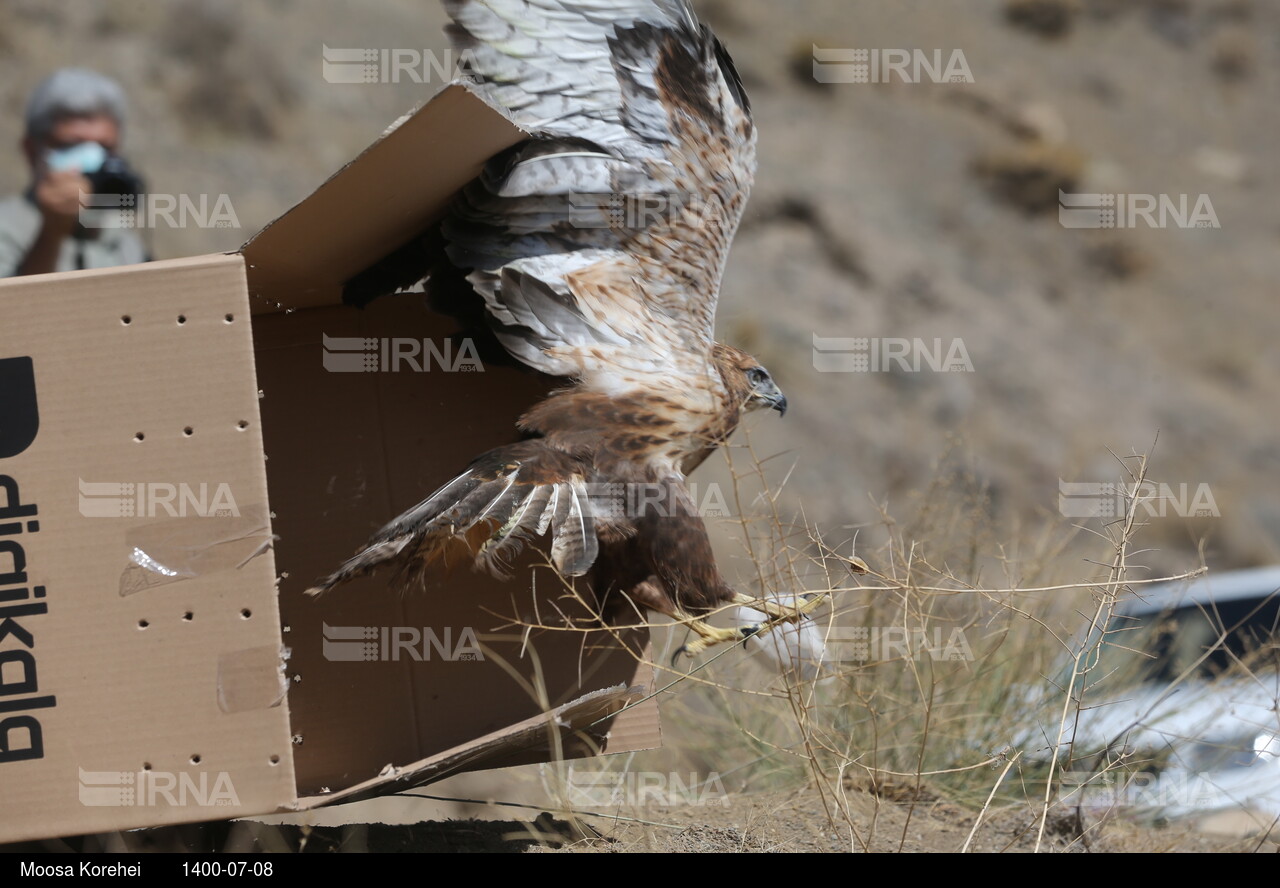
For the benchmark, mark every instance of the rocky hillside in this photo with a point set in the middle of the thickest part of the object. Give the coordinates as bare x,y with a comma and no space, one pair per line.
888,211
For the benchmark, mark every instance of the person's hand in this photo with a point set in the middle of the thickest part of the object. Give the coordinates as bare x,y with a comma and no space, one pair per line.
57,195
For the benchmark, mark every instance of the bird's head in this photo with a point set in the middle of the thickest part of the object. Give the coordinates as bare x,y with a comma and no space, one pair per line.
748,381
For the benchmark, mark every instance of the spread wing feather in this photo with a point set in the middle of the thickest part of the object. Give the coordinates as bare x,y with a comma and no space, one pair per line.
598,246
486,515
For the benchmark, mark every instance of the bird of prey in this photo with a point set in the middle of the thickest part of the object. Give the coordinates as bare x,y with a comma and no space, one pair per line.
597,248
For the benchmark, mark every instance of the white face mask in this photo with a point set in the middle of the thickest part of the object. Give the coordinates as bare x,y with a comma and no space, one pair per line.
87,157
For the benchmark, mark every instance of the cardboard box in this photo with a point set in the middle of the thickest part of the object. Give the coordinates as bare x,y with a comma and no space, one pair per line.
181,455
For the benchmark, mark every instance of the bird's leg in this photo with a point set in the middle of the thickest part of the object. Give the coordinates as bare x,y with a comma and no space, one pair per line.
778,612
710,636
652,594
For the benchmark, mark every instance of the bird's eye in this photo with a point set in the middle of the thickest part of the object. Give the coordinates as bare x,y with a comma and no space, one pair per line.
756,375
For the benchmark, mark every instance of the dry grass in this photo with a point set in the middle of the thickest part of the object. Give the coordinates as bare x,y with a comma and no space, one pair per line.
890,737
885,748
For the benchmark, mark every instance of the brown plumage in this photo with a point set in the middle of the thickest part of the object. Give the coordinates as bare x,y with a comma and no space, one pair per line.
562,482
623,308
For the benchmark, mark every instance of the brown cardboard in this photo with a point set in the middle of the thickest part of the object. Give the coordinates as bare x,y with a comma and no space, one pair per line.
389,440
177,651
128,699
376,203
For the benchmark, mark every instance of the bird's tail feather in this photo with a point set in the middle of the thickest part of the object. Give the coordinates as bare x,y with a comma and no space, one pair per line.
508,497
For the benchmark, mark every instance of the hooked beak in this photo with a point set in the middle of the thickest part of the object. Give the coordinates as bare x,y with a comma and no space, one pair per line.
769,395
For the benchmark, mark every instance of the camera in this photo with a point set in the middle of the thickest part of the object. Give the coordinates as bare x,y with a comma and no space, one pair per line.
115,176
107,173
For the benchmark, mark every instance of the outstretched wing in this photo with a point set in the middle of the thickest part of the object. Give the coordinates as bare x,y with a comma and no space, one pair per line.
598,245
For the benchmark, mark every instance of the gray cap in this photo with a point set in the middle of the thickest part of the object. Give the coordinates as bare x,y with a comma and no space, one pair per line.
72,92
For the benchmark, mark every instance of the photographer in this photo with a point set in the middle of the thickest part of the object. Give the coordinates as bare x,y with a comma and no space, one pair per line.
73,127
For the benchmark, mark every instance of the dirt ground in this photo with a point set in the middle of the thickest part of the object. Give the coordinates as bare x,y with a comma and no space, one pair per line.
798,822
779,822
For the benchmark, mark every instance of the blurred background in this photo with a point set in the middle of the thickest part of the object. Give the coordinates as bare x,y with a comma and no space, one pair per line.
883,211
886,210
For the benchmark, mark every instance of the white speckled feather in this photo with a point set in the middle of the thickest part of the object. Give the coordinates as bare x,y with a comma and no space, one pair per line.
599,245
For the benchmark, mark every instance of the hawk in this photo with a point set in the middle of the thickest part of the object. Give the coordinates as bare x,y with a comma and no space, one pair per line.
597,248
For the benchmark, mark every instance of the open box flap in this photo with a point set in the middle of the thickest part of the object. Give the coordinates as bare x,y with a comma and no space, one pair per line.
385,197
